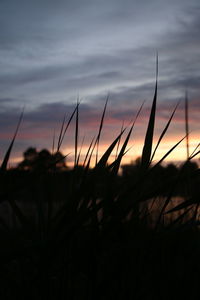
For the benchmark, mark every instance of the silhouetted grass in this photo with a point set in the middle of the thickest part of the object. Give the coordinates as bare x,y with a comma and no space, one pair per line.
88,233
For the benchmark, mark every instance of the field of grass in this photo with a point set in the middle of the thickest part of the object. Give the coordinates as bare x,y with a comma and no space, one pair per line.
89,233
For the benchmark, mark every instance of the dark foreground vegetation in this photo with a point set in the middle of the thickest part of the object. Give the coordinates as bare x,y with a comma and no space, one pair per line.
90,234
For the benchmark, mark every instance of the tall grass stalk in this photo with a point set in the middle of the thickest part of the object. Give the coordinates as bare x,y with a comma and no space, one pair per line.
187,125
7,155
146,152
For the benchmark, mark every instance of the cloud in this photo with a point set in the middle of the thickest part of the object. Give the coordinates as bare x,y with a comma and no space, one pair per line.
61,64
50,53
47,117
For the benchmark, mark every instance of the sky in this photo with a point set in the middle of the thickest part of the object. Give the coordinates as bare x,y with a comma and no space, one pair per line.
55,52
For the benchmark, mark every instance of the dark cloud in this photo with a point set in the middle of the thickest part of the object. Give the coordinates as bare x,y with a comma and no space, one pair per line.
50,115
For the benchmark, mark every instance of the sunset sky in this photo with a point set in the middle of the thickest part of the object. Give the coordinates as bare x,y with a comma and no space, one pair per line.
52,52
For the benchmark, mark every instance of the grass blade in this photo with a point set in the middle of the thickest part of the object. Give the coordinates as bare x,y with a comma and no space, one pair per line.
193,153
61,133
76,135
88,151
159,162
123,149
102,162
100,128
183,205
119,141
7,155
53,143
163,133
179,219
68,123
146,153
78,158
187,125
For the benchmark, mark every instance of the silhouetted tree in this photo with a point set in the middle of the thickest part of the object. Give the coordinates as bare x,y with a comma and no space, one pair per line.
42,160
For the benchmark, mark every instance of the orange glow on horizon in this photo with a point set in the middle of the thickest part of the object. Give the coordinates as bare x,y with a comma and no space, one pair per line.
134,151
